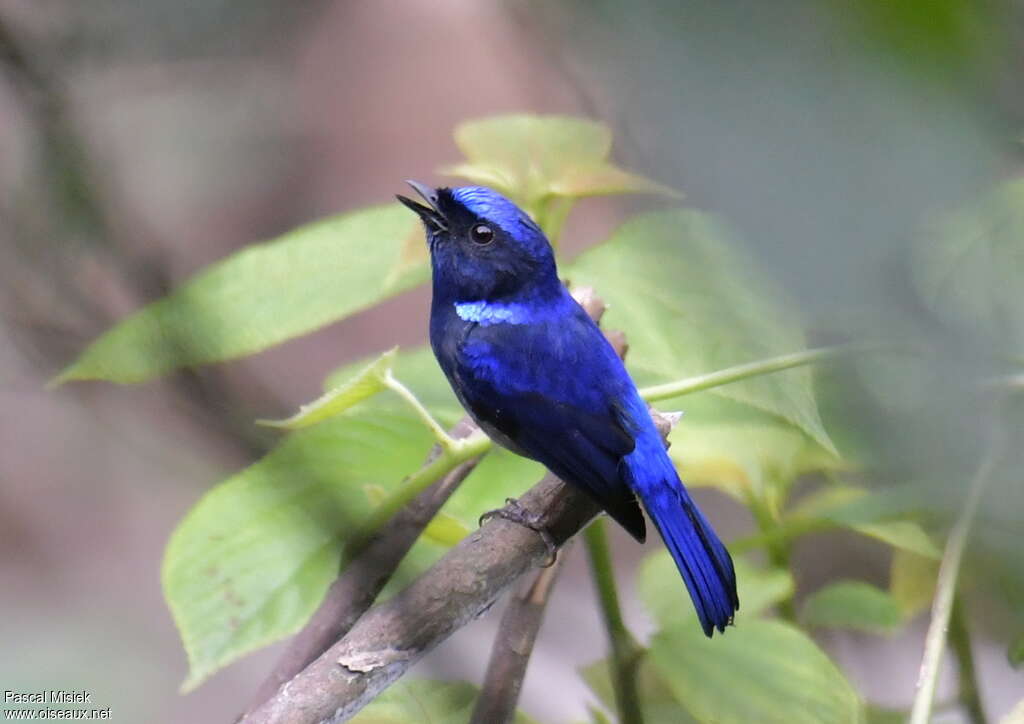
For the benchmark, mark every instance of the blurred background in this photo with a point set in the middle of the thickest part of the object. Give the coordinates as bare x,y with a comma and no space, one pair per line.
141,140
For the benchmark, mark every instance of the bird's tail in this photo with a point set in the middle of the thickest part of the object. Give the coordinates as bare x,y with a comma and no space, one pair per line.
701,557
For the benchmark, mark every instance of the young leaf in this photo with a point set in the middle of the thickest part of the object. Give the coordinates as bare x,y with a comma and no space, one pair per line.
251,561
852,605
420,700
258,297
742,451
530,158
692,304
419,371
912,581
869,514
903,534
367,383
762,670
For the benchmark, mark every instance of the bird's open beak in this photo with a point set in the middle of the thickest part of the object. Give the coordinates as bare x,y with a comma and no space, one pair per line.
431,214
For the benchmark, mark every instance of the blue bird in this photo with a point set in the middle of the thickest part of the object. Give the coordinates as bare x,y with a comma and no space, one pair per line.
539,377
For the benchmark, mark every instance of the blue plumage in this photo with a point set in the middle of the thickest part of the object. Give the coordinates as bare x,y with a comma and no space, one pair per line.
539,377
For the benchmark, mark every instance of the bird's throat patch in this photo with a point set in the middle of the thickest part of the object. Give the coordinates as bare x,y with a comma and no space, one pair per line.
485,313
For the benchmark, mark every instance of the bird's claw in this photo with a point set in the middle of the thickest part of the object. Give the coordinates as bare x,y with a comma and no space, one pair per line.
516,513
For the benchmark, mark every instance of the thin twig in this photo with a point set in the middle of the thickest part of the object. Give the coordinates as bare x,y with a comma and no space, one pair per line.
945,589
363,577
512,647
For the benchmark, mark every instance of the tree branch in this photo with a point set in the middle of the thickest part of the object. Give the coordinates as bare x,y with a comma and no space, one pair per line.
512,647
394,635
362,579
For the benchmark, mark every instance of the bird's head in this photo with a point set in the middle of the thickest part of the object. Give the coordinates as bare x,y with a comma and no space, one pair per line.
482,246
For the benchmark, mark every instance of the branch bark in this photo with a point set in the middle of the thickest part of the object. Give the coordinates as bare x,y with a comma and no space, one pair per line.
359,583
394,635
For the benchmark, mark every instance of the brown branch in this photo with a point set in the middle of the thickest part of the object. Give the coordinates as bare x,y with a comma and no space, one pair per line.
394,635
512,647
362,579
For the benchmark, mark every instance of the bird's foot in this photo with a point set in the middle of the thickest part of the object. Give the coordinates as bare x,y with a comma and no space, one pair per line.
516,513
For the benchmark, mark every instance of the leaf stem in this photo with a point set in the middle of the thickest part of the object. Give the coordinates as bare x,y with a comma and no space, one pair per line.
446,441
741,372
625,650
778,547
945,589
449,459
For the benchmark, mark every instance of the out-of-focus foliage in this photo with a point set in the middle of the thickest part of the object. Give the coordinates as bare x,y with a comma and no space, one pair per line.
969,268
671,296
852,605
259,297
782,674
534,160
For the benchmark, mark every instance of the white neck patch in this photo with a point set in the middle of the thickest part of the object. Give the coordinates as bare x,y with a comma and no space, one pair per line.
486,313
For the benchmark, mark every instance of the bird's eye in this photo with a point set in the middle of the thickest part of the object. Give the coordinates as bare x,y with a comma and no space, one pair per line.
482,234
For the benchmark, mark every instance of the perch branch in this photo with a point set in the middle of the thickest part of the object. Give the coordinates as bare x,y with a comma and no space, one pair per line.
391,637
365,575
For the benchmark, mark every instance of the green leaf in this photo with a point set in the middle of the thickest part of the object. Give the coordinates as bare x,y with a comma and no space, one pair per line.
530,158
903,534
762,670
443,529
250,562
742,451
874,714
912,581
969,267
665,596
692,303
657,703
260,296
419,700
866,513
367,383
419,371
852,605
500,475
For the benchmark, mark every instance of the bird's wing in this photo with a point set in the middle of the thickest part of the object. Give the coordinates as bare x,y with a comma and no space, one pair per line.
552,389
